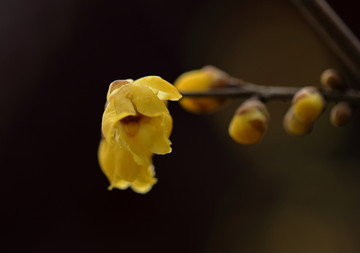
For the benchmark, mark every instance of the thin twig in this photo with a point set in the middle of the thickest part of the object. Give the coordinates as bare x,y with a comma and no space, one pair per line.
335,33
270,93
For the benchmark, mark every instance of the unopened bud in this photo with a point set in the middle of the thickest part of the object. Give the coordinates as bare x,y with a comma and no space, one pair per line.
307,105
249,122
204,79
340,114
331,79
294,126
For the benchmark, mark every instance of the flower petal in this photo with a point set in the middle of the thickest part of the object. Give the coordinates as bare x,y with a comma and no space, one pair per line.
144,100
145,180
123,105
109,119
141,155
154,134
167,124
151,136
104,153
118,107
116,85
118,165
163,89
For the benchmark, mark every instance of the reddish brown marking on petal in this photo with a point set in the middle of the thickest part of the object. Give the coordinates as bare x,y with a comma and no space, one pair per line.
131,119
131,124
258,125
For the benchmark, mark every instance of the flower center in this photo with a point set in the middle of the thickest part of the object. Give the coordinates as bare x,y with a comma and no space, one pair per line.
131,124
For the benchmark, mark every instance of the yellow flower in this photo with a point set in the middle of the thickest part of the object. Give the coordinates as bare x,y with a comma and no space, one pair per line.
249,123
203,79
136,124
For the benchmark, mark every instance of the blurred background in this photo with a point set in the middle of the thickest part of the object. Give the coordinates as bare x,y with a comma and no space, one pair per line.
285,194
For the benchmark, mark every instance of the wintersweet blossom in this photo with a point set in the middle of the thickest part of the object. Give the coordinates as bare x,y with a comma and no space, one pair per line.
136,124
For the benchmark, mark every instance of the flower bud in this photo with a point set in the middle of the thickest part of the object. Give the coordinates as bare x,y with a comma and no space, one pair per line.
307,105
249,122
331,79
203,79
294,126
340,114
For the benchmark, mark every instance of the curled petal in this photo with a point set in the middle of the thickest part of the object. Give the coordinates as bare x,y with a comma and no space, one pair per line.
163,89
144,100
116,85
116,110
123,105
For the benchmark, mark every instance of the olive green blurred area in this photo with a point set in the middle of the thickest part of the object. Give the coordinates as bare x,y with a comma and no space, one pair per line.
284,194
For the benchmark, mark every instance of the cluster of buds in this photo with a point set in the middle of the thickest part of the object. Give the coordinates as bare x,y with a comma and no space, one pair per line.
250,121
341,112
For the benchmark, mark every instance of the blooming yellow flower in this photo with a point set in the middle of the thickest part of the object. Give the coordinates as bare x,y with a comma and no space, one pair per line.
136,124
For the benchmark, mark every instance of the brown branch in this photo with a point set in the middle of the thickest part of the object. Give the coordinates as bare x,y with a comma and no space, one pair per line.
242,89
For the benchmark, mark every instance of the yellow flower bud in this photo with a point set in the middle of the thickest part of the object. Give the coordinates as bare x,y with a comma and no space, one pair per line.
249,123
203,79
307,105
340,114
294,126
331,79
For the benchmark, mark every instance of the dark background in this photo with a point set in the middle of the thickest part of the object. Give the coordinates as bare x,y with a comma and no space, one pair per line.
57,59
